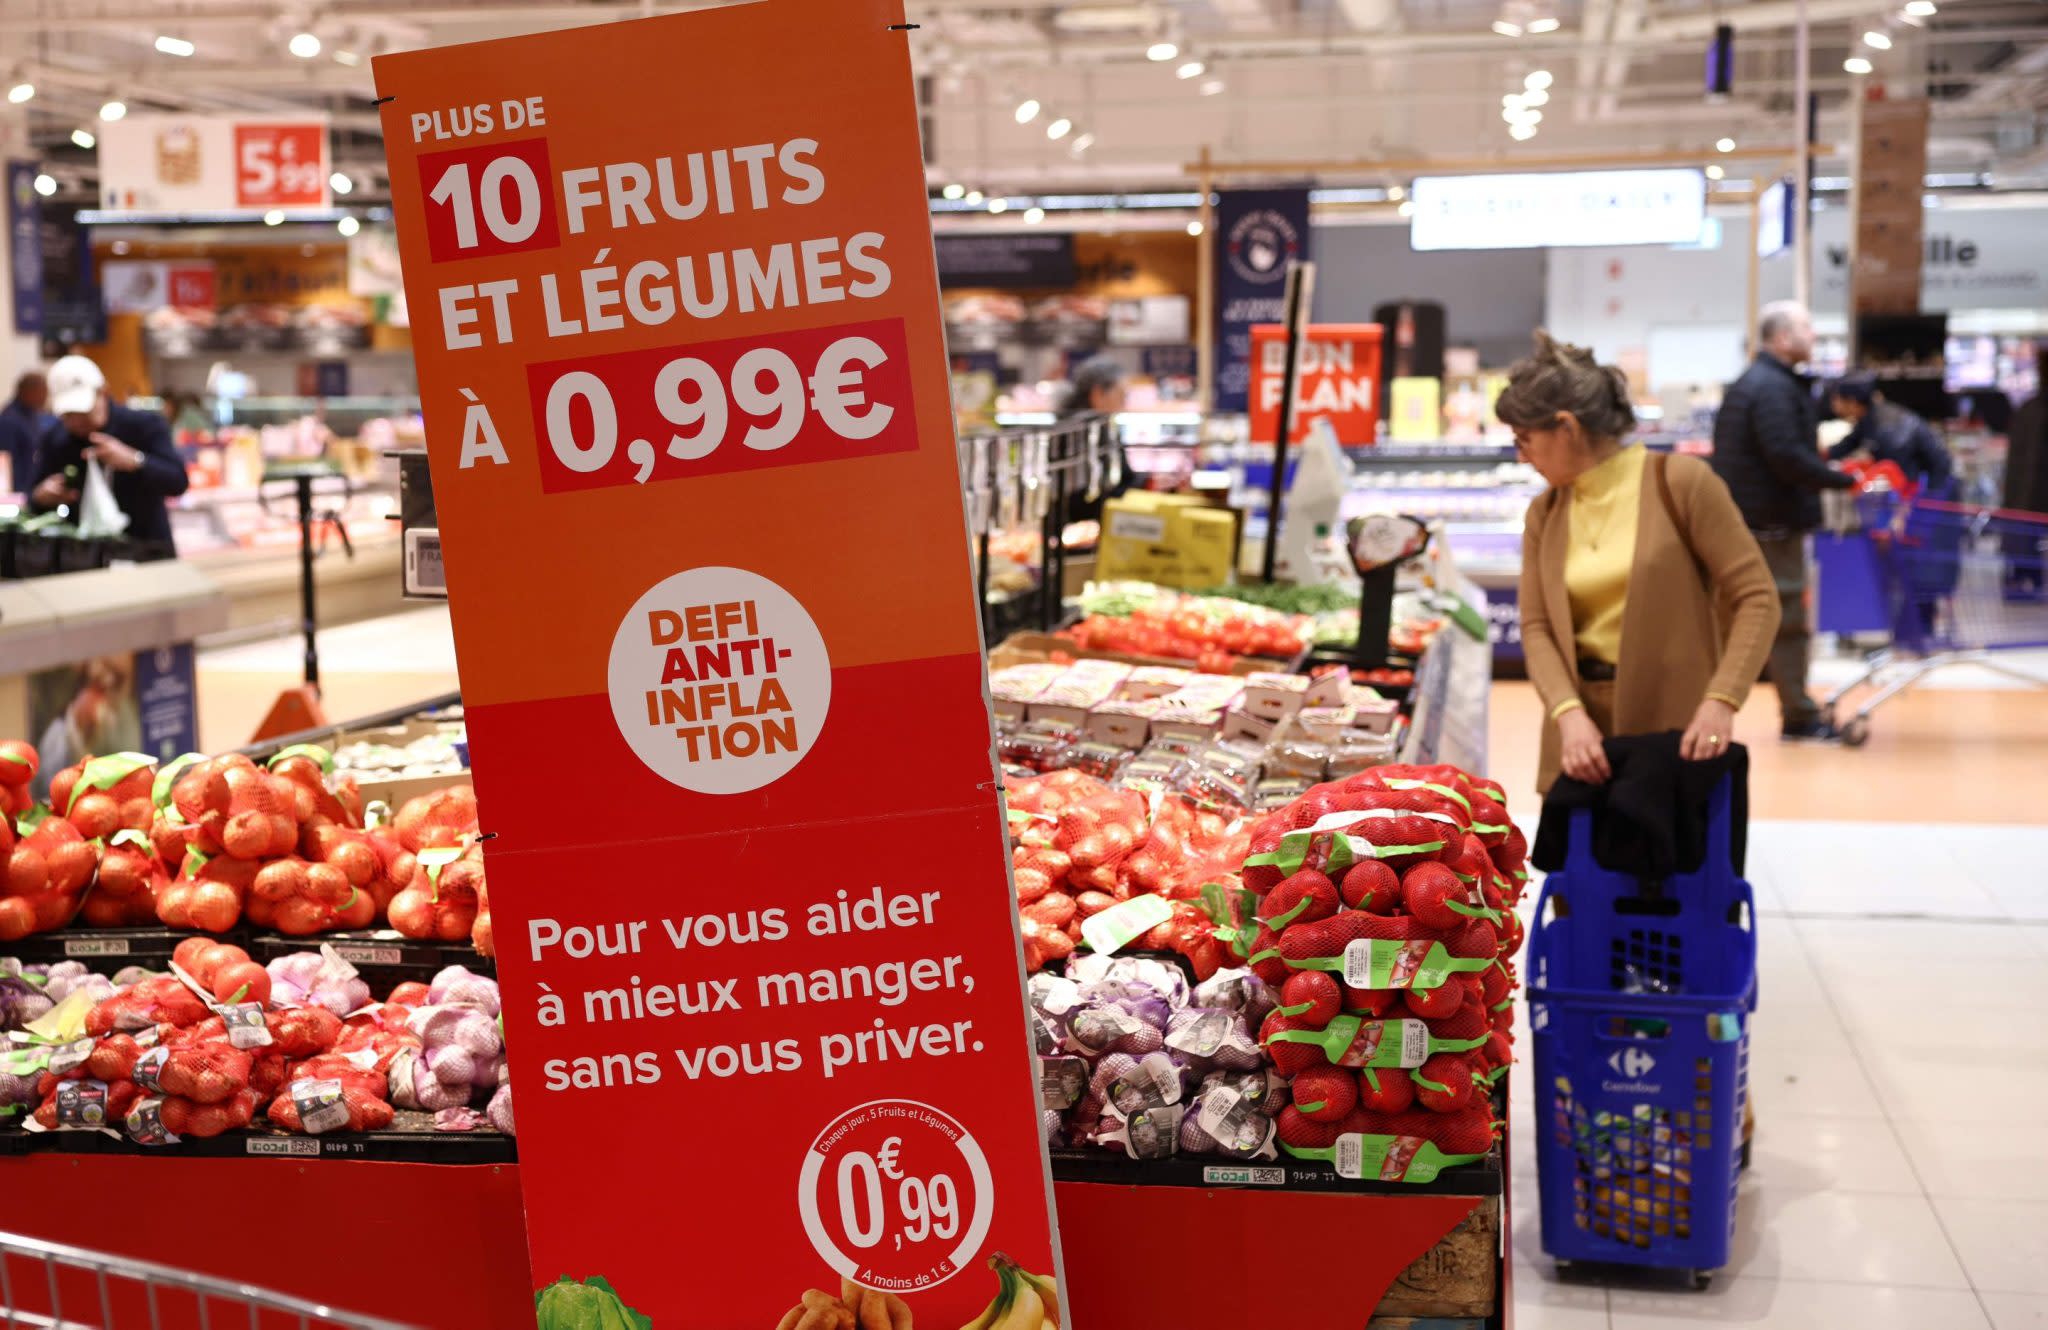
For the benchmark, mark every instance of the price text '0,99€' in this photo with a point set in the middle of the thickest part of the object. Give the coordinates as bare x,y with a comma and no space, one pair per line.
672,413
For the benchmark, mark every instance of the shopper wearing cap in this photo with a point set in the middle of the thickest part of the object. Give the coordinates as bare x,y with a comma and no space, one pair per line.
1624,561
133,447
1767,450
22,422
1887,432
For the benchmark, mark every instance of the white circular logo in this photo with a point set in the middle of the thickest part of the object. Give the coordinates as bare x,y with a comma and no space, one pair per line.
719,680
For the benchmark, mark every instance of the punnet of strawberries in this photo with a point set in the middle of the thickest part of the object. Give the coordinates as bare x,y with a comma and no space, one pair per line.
208,843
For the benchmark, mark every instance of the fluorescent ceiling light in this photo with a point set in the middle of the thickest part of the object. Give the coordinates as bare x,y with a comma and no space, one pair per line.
273,218
1196,228
1082,143
1033,216
1507,29
113,111
1520,133
46,184
1543,25
21,92
1192,69
175,46
954,191
1920,8
998,205
83,138
1856,64
1210,87
1877,41
304,45
1724,145
1059,128
1161,51
348,226
340,183
1538,80
1027,110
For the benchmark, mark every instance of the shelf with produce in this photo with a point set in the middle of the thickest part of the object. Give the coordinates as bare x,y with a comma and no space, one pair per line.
1281,1174
411,1139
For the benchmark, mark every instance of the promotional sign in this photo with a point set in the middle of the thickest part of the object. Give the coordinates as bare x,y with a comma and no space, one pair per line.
213,163
685,384
1337,379
1258,233
1023,258
25,246
1540,211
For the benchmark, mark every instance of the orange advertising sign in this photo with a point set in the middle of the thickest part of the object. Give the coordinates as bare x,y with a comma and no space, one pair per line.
1338,380
677,326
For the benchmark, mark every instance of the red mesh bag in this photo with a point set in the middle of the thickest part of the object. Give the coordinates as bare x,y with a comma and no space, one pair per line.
362,1098
1325,1094
206,1072
1371,886
1385,1090
1306,897
1297,1129
302,1032
1327,938
1466,1133
160,1001
183,1117
439,818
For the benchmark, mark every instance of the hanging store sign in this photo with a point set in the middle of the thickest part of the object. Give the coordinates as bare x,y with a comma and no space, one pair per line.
687,410
1540,211
213,163
1258,233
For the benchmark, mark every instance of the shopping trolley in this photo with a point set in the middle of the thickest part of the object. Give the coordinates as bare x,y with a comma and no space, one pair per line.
1955,584
1640,998
49,1286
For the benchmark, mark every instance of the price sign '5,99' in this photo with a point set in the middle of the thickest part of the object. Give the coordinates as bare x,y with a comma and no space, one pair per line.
782,399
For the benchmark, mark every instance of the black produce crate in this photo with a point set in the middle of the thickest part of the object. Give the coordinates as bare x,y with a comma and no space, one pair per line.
1283,1174
410,1140
384,957
108,951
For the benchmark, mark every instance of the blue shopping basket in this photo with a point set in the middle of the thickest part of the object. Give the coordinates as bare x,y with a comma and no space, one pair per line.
1640,996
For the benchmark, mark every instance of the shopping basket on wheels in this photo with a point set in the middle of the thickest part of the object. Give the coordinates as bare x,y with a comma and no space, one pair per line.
49,1286
1957,584
1640,994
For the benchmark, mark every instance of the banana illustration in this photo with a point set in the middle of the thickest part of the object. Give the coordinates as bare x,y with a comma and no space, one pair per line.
1023,1301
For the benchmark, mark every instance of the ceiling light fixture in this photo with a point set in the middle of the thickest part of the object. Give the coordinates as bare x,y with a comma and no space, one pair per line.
1159,52
1715,172
1544,25
21,92
113,111
1510,100
1920,8
304,45
349,58
1059,129
954,192
274,217
1082,143
973,198
1408,209
46,184
1210,87
1724,145
340,183
1507,29
1536,97
1191,70
1877,41
998,205
83,138
1033,216
1539,80
1856,64
1521,133
175,46
348,226
1196,228
1396,193
1027,110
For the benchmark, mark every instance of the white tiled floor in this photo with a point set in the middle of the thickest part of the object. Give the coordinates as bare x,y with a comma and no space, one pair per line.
1899,1063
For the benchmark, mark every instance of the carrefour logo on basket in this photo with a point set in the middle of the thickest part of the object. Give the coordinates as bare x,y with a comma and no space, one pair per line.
1633,1063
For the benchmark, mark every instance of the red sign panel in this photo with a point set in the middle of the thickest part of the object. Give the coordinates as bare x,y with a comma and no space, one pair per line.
758,948
1338,380
280,166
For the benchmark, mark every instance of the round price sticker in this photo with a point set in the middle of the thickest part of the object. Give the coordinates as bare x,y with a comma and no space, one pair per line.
896,1195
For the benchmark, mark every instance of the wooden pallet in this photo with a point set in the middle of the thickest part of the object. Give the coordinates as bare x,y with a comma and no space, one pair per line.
1454,1284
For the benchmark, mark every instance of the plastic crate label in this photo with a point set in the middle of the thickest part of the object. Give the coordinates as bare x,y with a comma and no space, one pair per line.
287,1146
1227,1175
1390,963
1393,1158
96,946
365,955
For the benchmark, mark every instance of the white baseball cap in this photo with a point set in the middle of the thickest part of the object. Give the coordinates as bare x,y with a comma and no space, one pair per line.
75,384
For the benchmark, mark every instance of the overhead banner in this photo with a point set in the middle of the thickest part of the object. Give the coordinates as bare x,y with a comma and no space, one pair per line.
1258,233
214,163
1010,259
680,358
1542,211
1337,379
25,246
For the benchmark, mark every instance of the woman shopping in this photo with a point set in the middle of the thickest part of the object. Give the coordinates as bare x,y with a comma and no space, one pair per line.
1646,604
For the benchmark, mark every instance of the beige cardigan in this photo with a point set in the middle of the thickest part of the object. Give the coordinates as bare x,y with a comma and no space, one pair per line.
1674,649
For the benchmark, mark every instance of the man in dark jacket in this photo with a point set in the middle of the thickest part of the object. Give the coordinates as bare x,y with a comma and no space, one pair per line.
22,422
133,447
1889,432
1766,448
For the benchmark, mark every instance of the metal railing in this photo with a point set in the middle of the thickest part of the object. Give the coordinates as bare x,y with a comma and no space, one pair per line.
51,1286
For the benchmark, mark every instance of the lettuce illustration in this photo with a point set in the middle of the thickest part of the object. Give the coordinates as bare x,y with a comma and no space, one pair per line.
590,1304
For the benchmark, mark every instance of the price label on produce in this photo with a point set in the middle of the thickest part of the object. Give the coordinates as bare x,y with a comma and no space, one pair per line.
896,1195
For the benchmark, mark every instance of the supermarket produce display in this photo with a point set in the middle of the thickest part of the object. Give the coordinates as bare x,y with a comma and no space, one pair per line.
1265,958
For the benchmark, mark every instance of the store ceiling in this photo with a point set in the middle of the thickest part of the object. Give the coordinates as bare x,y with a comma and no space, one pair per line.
1279,80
